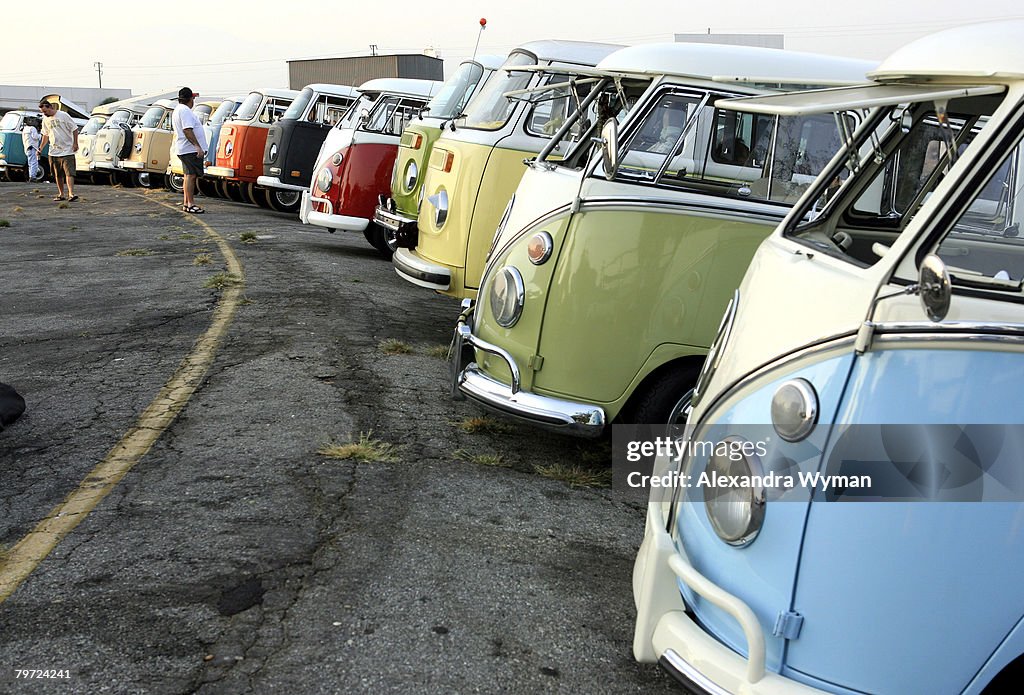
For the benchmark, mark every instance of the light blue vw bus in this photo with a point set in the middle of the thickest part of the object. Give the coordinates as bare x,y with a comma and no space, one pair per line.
877,343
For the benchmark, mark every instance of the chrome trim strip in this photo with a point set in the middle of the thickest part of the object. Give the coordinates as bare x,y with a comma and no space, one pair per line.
687,207
968,337
392,220
1013,329
689,675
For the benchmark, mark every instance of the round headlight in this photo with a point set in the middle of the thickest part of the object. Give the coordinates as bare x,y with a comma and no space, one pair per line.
229,147
336,159
138,147
507,295
735,512
106,148
273,151
410,177
323,180
795,410
539,248
440,201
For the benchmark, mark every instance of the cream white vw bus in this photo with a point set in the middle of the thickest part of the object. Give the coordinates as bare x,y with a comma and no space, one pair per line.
878,331
610,270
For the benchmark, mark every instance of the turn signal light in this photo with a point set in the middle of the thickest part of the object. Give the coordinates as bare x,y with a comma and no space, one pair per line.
447,162
416,141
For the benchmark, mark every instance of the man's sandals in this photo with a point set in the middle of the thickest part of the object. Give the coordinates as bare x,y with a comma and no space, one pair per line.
192,209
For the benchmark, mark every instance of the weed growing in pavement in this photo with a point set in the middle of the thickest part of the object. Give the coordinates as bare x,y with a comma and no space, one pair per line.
247,237
438,351
134,252
393,346
164,237
482,423
366,449
595,453
18,208
202,259
576,476
5,223
40,196
356,280
73,228
36,190
63,206
187,236
221,280
493,460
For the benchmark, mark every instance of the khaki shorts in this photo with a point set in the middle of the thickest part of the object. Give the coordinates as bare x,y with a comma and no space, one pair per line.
65,164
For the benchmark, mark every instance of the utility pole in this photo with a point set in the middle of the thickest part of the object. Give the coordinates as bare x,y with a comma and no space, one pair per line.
373,49
99,72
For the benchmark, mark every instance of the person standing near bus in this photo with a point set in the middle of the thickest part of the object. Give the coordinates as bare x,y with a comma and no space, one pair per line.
61,132
190,146
30,139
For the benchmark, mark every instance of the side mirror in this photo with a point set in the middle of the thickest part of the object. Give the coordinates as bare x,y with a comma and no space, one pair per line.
610,148
935,287
364,116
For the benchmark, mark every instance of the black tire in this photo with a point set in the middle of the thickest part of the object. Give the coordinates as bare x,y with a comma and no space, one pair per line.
233,191
175,182
250,194
207,187
17,175
662,397
125,179
261,197
284,200
127,140
378,238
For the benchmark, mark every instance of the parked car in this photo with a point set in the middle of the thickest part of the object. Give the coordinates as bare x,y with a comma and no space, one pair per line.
397,214
175,175
242,140
357,158
294,142
878,331
474,169
207,185
610,269
146,163
113,143
86,138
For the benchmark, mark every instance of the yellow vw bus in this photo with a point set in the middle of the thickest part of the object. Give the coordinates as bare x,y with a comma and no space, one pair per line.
174,177
476,164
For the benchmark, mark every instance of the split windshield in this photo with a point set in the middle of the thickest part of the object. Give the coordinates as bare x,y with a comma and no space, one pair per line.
299,105
91,128
391,113
897,165
490,109
119,116
249,107
202,112
153,117
223,111
10,121
681,141
456,92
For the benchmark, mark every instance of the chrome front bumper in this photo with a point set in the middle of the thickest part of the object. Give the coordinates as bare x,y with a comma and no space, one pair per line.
411,267
325,217
105,164
580,419
222,172
386,216
274,182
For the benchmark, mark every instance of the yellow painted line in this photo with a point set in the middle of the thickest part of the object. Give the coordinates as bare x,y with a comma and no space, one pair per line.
20,561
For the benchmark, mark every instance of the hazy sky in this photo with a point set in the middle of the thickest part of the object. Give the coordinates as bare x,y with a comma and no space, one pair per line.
229,46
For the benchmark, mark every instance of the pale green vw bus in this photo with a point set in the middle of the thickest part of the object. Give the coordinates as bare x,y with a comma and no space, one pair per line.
609,272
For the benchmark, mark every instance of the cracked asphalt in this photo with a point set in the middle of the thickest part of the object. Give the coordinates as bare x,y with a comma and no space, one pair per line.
233,557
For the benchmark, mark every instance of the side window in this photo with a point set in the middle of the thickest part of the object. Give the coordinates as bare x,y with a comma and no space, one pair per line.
802,147
317,110
985,240
547,116
334,110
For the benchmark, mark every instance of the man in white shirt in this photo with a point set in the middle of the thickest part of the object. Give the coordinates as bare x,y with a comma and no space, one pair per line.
61,132
190,145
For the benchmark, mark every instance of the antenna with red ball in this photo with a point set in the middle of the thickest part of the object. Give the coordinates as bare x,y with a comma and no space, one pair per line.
483,25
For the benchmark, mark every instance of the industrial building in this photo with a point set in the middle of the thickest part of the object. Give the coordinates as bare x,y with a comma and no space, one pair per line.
21,97
358,69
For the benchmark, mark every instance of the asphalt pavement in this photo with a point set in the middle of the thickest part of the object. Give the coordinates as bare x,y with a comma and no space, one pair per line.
228,555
